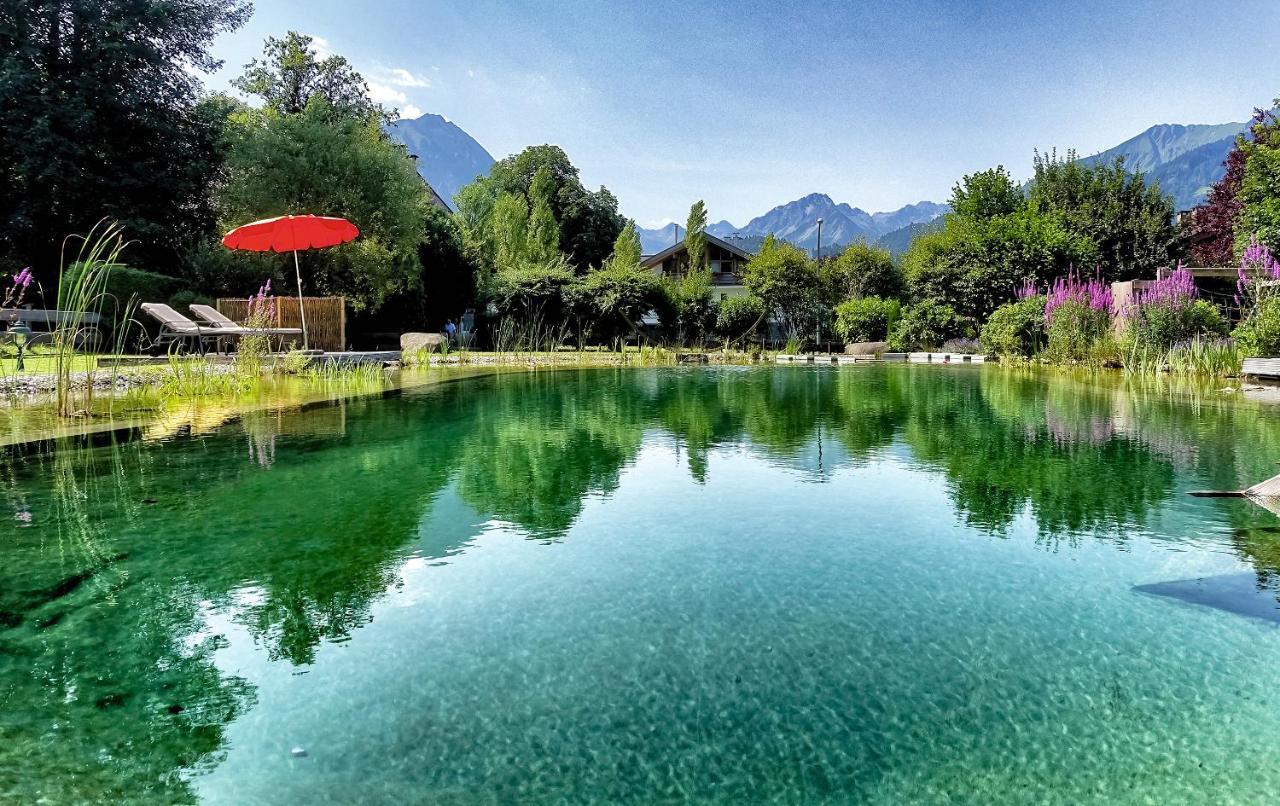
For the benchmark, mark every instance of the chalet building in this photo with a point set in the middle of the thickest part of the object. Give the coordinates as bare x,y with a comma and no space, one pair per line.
726,260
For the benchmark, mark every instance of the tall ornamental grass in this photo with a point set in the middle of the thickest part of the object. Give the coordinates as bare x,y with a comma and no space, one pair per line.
82,292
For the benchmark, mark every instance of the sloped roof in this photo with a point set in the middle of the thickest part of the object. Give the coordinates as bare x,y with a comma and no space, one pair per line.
676,248
436,199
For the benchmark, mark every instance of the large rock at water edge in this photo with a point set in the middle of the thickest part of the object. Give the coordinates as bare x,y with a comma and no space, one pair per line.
412,342
866,348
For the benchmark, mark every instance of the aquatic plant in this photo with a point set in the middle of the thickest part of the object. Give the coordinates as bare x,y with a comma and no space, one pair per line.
251,350
1205,356
82,287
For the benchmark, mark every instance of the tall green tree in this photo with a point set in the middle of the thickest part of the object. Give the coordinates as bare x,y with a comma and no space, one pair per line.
98,118
973,266
695,236
787,281
627,250
509,223
1129,220
1259,194
290,73
589,221
986,194
320,162
861,270
544,233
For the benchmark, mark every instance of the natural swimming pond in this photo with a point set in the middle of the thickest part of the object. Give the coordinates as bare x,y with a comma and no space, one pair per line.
884,584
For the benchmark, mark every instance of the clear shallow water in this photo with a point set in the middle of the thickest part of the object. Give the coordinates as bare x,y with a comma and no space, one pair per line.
881,584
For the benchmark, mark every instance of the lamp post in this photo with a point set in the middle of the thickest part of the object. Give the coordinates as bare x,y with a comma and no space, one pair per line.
817,323
20,333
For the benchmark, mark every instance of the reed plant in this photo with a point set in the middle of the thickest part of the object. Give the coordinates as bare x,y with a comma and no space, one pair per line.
1205,356
82,295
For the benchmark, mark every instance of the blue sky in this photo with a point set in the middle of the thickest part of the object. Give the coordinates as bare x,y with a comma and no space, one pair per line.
749,105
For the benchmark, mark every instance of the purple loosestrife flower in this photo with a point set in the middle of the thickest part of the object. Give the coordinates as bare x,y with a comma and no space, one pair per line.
21,281
1027,290
1176,290
1256,262
1093,293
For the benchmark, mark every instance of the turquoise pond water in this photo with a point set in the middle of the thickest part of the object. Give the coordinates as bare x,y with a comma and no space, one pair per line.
884,584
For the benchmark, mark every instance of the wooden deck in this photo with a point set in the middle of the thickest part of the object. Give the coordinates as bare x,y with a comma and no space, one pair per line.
1261,367
946,358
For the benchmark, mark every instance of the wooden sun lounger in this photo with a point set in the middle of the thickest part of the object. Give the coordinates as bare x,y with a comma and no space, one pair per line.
219,321
216,319
178,329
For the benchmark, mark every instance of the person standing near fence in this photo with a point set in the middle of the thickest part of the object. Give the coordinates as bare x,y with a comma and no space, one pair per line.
449,331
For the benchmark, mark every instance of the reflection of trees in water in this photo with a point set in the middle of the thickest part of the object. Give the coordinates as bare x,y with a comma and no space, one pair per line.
104,596
536,446
109,689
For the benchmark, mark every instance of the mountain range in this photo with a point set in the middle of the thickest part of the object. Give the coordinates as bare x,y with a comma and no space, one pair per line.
1184,159
797,222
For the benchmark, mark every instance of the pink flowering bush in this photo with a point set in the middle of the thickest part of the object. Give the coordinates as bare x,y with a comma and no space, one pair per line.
1077,317
1257,264
1071,290
1259,333
1167,312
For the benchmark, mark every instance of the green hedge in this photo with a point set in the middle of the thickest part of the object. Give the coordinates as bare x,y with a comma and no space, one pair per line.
866,319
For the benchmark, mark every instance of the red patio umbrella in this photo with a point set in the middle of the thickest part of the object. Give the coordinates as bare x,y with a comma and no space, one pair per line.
290,233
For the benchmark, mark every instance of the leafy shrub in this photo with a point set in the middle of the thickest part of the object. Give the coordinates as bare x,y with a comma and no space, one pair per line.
1160,326
925,324
1075,329
1015,328
124,285
615,298
1259,335
739,317
1167,313
686,311
866,319
534,292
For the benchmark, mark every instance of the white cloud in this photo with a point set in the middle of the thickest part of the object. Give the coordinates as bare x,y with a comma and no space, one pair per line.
401,77
321,47
410,111
383,94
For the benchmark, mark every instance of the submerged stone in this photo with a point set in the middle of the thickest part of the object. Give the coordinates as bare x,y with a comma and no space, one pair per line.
1234,593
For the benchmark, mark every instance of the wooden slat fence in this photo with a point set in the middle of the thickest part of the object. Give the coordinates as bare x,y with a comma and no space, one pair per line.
326,318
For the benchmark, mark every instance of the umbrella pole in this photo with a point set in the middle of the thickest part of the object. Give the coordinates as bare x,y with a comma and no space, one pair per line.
302,312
